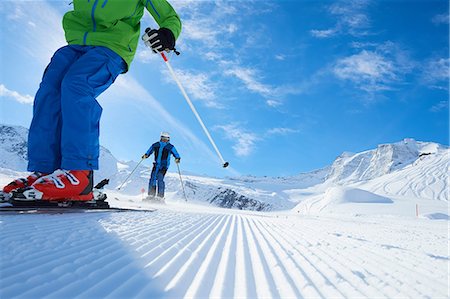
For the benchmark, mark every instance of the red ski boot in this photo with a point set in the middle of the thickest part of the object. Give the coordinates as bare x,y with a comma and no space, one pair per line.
23,182
63,185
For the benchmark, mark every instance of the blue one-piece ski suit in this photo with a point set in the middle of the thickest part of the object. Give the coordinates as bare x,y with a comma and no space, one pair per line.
162,151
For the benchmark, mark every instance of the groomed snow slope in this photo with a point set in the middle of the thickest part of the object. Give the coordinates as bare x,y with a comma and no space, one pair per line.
191,251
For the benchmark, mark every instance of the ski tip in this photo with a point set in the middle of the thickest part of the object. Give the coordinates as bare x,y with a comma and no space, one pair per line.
225,165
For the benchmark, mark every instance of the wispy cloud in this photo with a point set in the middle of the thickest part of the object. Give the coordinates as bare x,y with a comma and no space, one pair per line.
213,29
369,70
23,99
274,103
437,71
198,85
252,80
249,77
324,33
376,69
145,55
45,34
244,141
441,19
282,131
442,105
351,18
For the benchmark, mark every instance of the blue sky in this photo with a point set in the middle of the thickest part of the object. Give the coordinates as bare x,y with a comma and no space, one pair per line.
284,87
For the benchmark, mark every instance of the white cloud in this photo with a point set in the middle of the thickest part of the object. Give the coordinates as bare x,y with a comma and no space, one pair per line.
274,103
249,77
351,18
376,69
201,30
282,131
199,86
437,70
212,56
441,19
245,142
252,81
371,71
323,33
146,55
23,99
442,105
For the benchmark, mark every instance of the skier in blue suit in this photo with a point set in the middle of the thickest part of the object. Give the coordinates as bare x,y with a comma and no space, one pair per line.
162,149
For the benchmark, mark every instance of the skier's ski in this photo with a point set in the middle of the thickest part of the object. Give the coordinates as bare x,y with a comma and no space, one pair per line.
41,210
59,207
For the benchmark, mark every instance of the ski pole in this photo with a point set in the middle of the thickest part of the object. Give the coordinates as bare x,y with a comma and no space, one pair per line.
188,100
181,181
130,174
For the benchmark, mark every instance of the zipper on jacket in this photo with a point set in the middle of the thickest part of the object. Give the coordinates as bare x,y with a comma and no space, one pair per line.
94,23
154,8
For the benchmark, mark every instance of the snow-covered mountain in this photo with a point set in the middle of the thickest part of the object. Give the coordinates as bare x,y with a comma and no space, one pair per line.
385,159
407,168
13,147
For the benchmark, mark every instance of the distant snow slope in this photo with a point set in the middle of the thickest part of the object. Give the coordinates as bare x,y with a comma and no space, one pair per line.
427,178
194,252
407,169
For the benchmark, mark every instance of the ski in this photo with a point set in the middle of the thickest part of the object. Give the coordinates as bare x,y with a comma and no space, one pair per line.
41,210
59,207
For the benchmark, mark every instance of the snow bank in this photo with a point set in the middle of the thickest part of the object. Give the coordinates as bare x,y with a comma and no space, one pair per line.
346,194
340,199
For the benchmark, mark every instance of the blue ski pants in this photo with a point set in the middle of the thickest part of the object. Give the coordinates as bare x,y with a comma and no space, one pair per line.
157,178
64,131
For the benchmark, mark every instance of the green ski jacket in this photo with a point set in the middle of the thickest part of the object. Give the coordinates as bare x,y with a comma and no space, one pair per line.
115,24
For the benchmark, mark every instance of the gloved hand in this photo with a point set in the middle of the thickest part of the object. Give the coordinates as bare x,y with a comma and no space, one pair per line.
144,156
177,160
159,40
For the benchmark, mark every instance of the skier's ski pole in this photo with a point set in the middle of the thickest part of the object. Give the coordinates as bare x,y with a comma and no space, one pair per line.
130,174
188,100
181,181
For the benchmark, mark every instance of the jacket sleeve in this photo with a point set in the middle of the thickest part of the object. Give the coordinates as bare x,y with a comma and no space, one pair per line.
164,15
175,153
150,150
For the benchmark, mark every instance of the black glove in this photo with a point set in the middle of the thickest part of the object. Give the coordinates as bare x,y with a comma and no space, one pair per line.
159,40
177,160
144,156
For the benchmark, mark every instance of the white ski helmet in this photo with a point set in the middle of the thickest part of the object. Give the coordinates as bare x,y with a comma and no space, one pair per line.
165,135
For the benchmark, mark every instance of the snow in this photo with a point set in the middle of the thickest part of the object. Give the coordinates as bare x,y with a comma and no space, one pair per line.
194,251
371,225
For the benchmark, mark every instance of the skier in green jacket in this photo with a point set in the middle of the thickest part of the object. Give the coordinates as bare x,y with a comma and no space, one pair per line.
63,144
